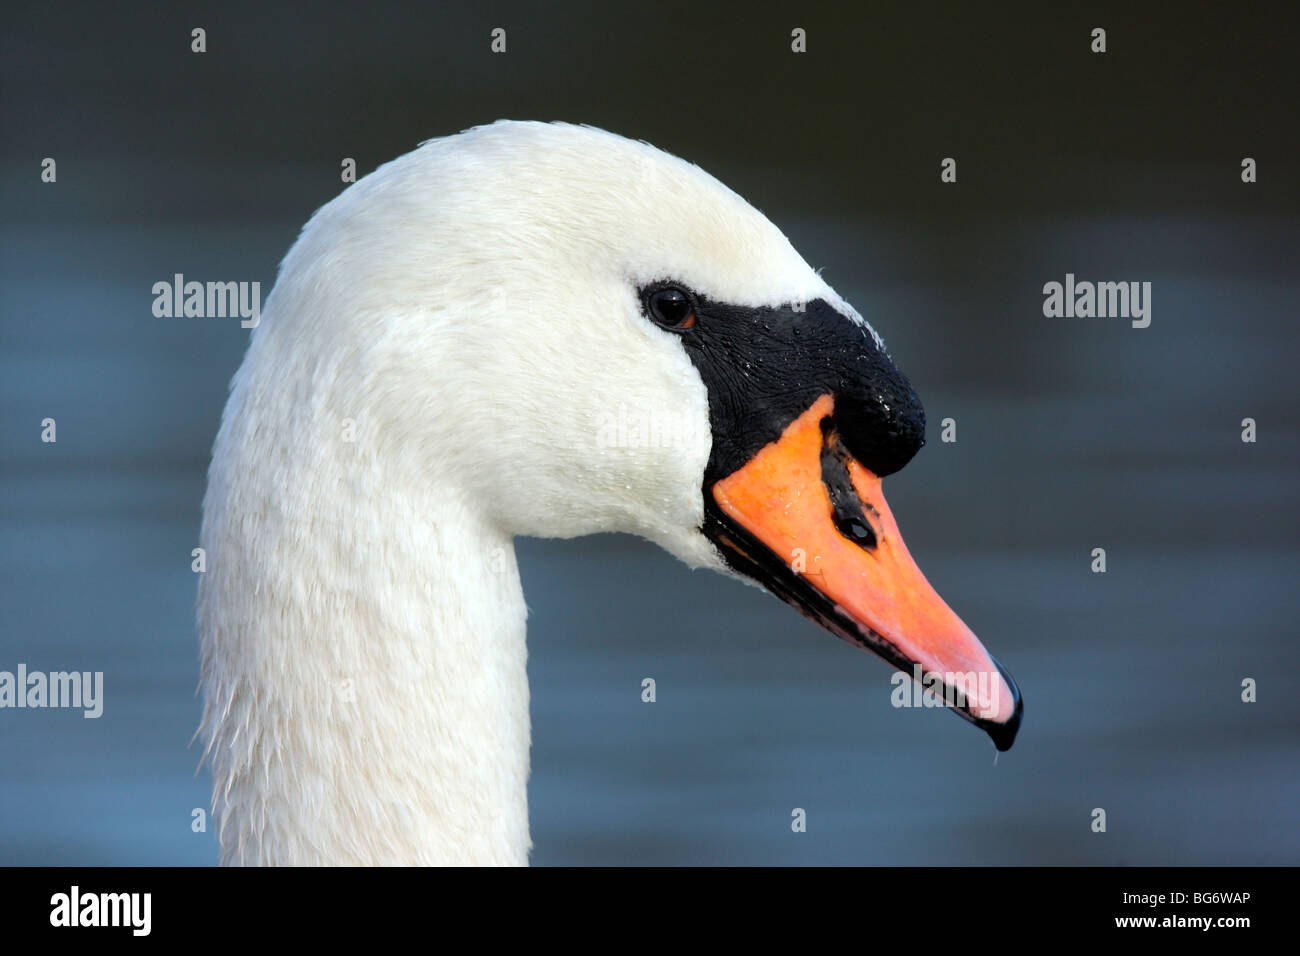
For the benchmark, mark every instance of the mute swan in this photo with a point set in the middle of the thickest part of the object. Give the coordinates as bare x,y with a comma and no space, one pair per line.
431,377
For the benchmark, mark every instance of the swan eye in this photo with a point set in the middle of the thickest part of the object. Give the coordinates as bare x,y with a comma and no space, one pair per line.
671,307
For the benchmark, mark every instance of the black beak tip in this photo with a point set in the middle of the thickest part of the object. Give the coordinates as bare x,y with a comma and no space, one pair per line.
1004,735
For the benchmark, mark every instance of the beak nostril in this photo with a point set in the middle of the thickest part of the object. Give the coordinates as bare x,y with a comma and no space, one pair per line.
857,531
847,512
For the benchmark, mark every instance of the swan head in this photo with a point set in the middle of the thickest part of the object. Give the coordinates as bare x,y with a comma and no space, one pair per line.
576,333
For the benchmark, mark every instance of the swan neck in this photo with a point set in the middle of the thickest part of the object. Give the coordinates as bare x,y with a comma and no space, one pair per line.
364,658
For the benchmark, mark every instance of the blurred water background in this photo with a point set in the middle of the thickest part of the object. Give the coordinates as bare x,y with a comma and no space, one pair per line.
1072,433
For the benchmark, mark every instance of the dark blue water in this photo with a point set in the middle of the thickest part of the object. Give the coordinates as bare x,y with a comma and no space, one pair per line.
1072,434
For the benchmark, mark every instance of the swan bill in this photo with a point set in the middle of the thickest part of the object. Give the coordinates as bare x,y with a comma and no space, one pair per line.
804,518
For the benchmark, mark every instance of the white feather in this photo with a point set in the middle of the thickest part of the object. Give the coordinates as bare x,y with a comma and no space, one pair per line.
471,308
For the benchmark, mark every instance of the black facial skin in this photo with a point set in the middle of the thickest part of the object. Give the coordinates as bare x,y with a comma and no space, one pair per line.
765,366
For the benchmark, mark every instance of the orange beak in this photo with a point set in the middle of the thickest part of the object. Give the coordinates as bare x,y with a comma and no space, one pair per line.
811,523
